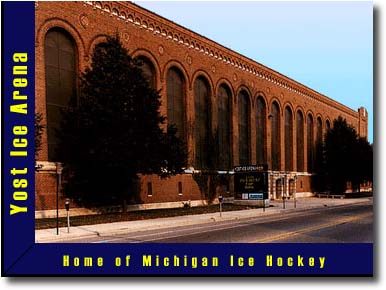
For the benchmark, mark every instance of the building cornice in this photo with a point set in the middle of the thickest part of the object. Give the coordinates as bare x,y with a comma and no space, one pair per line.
162,27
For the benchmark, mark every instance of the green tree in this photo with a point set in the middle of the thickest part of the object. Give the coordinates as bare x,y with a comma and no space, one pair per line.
347,157
113,132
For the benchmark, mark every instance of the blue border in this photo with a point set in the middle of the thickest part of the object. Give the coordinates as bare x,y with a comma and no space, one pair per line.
18,30
22,257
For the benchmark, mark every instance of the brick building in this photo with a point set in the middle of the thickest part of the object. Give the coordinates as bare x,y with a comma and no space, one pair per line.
258,114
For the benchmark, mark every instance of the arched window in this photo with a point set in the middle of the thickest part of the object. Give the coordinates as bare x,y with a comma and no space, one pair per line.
202,122
148,70
328,125
288,137
261,129
175,87
224,127
319,130
60,57
299,142
275,136
310,143
319,145
244,126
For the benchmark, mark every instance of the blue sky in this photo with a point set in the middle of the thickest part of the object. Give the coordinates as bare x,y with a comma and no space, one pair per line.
327,46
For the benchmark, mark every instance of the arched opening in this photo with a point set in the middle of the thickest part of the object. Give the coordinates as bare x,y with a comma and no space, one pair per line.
244,128
299,142
261,129
148,70
175,87
310,143
288,138
224,127
328,125
202,123
275,136
319,145
60,57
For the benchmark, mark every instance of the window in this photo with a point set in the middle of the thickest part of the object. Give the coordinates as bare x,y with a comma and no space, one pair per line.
61,86
176,100
179,188
310,143
319,145
149,189
202,122
261,129
147,70
288,138
244,125
275,136
299,142
223,127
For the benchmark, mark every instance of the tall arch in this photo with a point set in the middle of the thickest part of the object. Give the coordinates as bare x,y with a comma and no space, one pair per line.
244,113
299,142
288,138
261,130
275,136
224,98
310,143
148,70
319,144
175,89
202,122
328,125
60,59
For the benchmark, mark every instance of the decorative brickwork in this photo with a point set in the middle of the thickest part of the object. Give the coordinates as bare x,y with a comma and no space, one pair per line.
168,46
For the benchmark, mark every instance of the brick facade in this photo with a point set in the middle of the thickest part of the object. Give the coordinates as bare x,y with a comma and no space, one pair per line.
166,44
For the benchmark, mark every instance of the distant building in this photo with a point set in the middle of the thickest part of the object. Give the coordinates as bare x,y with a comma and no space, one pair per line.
257,114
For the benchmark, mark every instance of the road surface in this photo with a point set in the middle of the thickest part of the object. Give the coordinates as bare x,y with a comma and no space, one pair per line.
340,224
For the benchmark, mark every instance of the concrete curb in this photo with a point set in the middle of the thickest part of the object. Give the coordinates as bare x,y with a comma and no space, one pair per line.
120,228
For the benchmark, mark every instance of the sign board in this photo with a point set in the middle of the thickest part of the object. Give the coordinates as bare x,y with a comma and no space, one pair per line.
251,180
259,195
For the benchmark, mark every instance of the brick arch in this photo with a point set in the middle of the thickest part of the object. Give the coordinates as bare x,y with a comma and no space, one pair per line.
288,136
67,26
300,109
309,112
247,90
147,54
260,94
180,66
40,69
310,141
261,128
205,75
289,104
300,128
225,81
275,135
224,125
244,125
97,39
276,100
329,121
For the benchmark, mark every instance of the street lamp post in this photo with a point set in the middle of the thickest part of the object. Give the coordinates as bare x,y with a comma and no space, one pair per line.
282,191
296,179
58,179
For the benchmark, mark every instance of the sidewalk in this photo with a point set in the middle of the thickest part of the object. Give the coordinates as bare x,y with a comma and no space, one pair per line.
276,207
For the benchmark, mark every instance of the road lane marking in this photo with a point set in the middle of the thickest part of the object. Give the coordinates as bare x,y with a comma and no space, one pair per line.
215,227
310,229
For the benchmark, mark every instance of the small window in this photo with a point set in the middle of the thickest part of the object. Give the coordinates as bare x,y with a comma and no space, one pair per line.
301,184
149,189
179,188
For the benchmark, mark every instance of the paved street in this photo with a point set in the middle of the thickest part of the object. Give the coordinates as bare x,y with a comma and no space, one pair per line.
345,222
